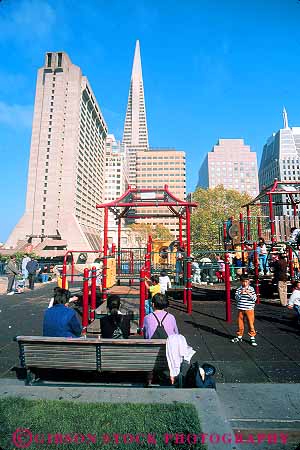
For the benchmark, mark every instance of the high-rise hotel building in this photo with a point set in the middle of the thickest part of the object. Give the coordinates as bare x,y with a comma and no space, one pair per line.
231,164
116,180
67,161
281,160
150,167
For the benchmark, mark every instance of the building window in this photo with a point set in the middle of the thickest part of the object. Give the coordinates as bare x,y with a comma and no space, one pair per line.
59,59
49,59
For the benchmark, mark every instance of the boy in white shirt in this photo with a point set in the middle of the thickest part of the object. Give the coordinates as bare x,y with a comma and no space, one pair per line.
294,300
164,282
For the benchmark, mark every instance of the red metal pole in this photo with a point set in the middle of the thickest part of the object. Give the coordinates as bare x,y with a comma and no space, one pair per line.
227,288
180,231
85,301
93,293
142,299
271,218
119,250
64,275
256,272
248,223
72,270
189,263
259,231
105,248
242,233
224,235
291,262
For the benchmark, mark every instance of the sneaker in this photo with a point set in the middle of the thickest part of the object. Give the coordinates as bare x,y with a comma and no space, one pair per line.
261,273
237,339
253,342
10,293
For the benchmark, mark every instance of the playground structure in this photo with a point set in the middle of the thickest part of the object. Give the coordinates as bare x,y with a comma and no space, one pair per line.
136,264
119,264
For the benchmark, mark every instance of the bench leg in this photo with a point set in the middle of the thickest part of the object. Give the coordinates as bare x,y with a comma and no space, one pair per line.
30,378
149,378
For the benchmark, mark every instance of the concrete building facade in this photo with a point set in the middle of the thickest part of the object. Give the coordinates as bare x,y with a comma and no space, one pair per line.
157,167
116,180
231,164
281,160
67,160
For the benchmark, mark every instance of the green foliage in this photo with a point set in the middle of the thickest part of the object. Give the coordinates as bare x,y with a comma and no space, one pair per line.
19,256
215,206
143,230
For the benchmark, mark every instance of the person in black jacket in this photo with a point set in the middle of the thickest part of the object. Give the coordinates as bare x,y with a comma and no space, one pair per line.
115,325
32,266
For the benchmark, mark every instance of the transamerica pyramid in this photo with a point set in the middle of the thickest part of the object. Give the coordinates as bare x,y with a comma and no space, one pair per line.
135,134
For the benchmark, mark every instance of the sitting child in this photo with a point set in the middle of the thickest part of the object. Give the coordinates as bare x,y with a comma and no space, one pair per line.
294,300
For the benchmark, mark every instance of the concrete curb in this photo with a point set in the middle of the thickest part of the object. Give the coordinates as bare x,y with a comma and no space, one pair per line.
206,402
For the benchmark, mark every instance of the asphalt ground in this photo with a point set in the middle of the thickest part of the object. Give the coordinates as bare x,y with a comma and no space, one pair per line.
276,359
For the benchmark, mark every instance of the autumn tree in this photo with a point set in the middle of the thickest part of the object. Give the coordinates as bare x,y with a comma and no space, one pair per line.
215,206
143,230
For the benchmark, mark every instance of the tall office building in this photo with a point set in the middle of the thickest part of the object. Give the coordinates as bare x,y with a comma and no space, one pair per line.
281,159
116,180
158,167
135,134
148,167
232,164
67,160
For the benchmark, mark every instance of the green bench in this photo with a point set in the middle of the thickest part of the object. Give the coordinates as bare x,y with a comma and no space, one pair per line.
96,355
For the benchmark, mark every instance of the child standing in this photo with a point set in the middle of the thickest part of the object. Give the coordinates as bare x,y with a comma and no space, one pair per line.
154,289
164,282
246,298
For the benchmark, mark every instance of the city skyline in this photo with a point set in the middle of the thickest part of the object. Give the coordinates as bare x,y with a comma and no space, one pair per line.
204,76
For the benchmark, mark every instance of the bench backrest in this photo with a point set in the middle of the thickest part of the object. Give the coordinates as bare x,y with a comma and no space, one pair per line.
93,354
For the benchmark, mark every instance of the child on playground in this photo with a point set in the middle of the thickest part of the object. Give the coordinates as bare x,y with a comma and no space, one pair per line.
154,289
294,300
246,298
164,282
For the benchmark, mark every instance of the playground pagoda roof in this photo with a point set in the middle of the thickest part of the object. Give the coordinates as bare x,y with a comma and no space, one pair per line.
126,205
288,188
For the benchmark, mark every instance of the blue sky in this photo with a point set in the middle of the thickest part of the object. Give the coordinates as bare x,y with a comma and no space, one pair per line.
212,69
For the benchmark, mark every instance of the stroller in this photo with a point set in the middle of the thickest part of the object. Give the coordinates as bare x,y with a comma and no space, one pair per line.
20,285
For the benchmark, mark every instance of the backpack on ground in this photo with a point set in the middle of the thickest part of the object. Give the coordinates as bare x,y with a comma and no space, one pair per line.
118,333
160,332
193,378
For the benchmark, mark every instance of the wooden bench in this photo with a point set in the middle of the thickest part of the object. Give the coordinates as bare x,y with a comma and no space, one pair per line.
97,355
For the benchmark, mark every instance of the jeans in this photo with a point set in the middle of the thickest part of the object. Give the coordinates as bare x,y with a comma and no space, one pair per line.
249,314
263,263
148,307
297,309
44,277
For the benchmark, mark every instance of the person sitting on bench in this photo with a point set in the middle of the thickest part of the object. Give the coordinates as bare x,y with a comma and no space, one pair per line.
115,325
159,324
61,321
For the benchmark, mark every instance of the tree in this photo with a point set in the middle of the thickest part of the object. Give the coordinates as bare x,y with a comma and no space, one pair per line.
215,206
143,230
162,232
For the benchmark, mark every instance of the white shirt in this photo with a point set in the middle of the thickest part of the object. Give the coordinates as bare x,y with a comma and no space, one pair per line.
165,283
294,298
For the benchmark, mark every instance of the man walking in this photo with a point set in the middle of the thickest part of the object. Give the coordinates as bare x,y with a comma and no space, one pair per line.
32,267
12,270
280,276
